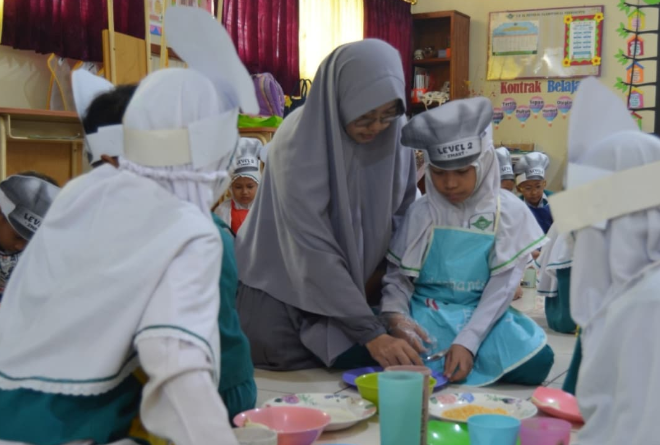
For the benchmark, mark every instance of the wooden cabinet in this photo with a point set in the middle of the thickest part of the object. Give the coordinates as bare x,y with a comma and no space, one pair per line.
444,30
50,142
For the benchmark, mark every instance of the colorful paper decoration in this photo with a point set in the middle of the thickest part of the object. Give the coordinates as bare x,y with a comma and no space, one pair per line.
635,73
536,105
549,113
522,114
498,116
509,105
637,20
636,99
564,104
583,40
635,46
638,119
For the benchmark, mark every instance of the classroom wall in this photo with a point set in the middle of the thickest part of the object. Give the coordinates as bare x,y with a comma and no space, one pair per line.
24,78
550,139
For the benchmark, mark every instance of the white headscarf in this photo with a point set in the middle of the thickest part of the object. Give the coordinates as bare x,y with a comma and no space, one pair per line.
614,256
616,386
174,99
518,233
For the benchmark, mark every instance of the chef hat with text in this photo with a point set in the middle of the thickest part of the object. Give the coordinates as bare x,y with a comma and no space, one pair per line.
452,134
531,167
24,201
504,159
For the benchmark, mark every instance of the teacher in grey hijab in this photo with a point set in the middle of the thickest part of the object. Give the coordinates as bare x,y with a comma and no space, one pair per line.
336,184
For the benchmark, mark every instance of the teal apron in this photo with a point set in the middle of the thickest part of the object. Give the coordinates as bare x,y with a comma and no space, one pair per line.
449,287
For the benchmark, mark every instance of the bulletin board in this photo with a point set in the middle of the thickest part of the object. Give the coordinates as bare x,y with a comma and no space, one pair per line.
545,43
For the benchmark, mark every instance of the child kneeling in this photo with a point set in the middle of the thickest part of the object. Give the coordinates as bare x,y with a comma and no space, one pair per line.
459,256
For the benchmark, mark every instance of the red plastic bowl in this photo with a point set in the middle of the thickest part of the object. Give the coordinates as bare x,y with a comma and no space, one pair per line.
294,425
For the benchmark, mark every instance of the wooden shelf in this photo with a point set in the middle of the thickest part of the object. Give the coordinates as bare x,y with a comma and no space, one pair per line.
434,61
443,29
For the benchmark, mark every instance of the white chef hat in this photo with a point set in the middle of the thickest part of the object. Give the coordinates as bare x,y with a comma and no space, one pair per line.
24,201
108,140
504,159
181,127
208,50
532,166
247,160
452,133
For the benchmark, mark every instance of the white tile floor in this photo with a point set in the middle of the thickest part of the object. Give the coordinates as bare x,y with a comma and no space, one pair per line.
274,384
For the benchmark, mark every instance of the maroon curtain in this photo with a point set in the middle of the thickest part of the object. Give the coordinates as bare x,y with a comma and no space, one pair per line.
265,33
68,28
391,20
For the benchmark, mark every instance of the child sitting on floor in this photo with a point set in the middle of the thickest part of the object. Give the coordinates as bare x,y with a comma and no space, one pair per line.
531,184
24,201
244,184
457,259
507,177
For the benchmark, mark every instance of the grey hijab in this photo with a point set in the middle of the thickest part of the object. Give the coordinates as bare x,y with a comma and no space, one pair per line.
327,206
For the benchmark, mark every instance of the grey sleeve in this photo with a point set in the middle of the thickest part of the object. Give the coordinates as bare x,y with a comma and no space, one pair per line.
397,291
495,300
361,329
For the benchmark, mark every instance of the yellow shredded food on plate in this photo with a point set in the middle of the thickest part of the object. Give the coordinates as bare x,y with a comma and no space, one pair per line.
461,414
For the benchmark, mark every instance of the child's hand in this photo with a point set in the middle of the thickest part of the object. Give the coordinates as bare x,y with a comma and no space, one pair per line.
458,363
390,351
536,254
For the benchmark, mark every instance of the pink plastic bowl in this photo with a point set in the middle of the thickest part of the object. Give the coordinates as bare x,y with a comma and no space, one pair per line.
557,403
294,425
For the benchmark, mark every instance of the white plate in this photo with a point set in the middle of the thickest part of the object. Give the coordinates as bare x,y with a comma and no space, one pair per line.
344,410
518,408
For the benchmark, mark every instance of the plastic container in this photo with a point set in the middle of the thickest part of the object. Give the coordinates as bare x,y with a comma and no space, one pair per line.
426,372
293,425
493,429
545,431
400,394
367,385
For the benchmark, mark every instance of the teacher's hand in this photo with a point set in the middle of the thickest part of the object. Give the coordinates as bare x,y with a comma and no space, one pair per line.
403,327
458,363
390,351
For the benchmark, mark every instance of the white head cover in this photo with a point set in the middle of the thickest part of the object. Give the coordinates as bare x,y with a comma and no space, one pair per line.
107,140
532,166
181,126
504,159
24,201
517,233
451,134
247,160
611,258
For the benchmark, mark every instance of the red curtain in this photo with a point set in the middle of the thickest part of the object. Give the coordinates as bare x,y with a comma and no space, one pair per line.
68,28
391,20
265,33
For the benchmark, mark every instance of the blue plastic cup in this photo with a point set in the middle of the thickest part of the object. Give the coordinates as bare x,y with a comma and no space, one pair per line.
400,407
493,429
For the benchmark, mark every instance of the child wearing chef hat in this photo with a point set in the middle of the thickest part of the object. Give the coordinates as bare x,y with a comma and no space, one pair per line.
101,106
24,200
244,183
531,184
128,265
507,177
457,259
